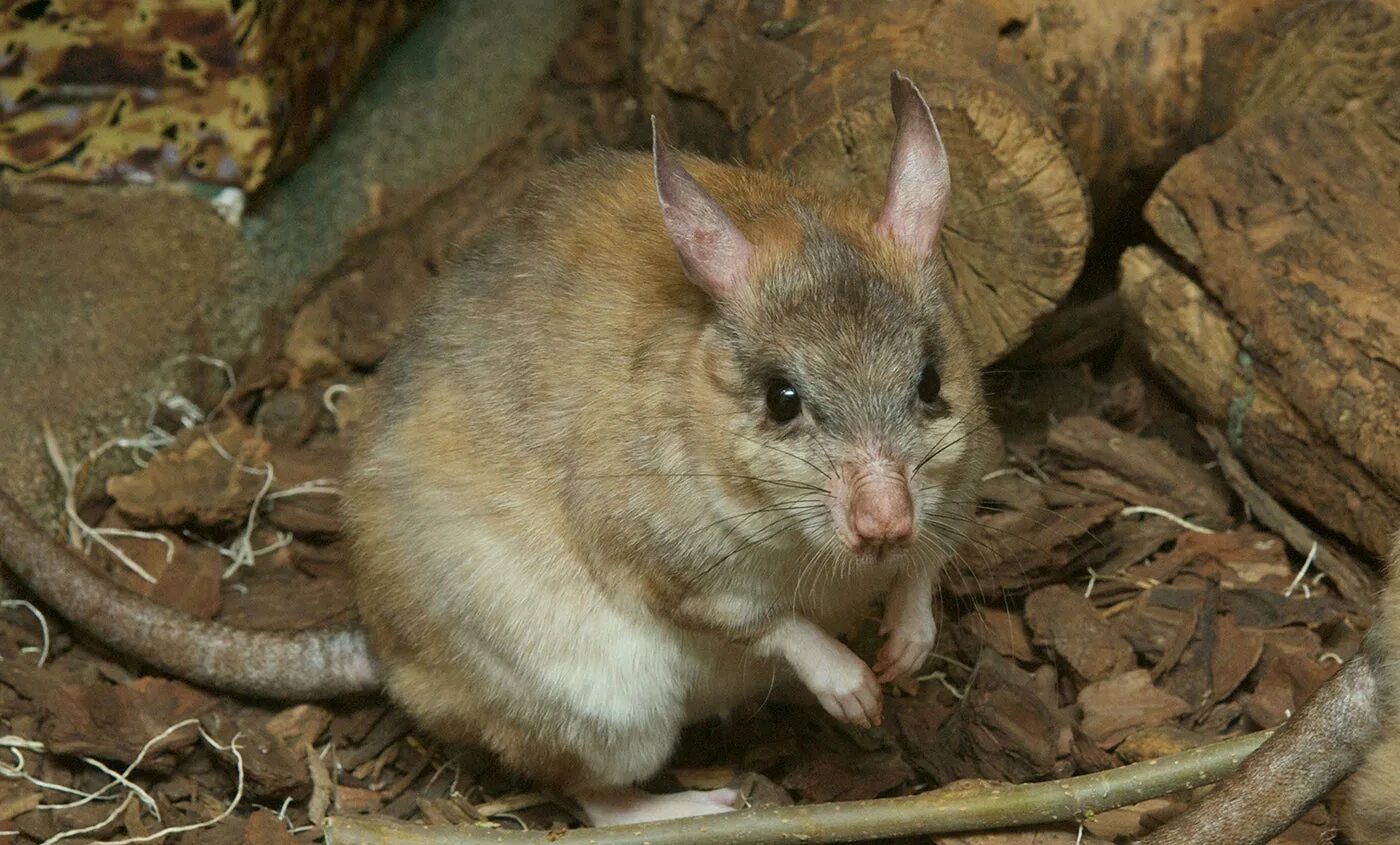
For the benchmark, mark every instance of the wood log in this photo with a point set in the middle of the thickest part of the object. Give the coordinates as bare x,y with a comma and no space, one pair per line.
804,86
1136,84
1275,312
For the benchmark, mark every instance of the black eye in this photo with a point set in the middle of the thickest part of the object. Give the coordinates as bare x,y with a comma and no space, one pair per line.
784,402
930,385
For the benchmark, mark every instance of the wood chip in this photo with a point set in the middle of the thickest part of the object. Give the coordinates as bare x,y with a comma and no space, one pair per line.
1120,705
264,828
190,485
1150,465
1001,730
1353,581
115,722
834,776
19,804
1001,630
300,725
1287,682
1237,652
1067,622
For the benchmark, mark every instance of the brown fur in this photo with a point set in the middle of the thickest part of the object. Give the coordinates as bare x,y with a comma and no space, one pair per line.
569,396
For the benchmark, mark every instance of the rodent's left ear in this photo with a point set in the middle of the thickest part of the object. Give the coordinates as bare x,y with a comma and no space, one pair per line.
714,252
917,188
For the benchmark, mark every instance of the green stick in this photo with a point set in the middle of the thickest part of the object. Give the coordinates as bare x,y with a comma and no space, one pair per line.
856,821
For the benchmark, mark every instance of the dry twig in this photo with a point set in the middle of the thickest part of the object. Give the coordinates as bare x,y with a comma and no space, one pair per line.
856,821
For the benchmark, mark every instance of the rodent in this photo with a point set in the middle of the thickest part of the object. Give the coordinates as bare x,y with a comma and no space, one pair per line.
649,447
1350,725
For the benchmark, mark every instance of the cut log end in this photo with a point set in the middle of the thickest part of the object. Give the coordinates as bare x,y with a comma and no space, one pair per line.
1018,224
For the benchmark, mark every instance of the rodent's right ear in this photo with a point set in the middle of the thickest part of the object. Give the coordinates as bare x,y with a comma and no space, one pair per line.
714,252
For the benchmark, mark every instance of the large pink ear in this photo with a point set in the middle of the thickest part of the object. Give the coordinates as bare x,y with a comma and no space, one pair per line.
916,191
713,251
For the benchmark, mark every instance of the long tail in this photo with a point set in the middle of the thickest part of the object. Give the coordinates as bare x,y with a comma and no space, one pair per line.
299,666
1299,764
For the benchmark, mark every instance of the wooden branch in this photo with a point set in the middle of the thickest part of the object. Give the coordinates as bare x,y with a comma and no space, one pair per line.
858,821
1352,580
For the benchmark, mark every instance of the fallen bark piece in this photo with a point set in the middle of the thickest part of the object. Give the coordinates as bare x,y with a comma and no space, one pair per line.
1287,682
1000,630
1116,707
191,580
1190,674
282,600
1158,741
1354,582
114,722
842,776
1128,824
1029,545
192,485
1237,652
319,520
18,800
857,821
1263,609
1152,629
348,316
1243,559
1148,464
918,721
264,828
354,799
272,769
300,725
1068,623
1001,730
1124,543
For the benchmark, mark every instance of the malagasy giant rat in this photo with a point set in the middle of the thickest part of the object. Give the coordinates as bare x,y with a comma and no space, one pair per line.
666,432
1352,724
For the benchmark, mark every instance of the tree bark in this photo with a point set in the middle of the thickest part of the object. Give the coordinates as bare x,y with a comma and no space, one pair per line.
1135,83
1274,311
805,86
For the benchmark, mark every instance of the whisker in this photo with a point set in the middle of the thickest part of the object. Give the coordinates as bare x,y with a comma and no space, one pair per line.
794,504
817,440
781,525
939,449
781,482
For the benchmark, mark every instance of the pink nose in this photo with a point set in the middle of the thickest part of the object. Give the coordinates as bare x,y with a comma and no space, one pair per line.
882,512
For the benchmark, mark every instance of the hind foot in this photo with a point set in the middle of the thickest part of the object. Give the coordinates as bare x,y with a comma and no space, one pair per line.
605,807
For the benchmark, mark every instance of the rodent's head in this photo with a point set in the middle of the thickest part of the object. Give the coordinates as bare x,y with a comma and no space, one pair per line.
850,396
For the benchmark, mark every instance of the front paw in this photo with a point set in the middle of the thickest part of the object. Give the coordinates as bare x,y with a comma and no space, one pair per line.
848,690
842,683
905,651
